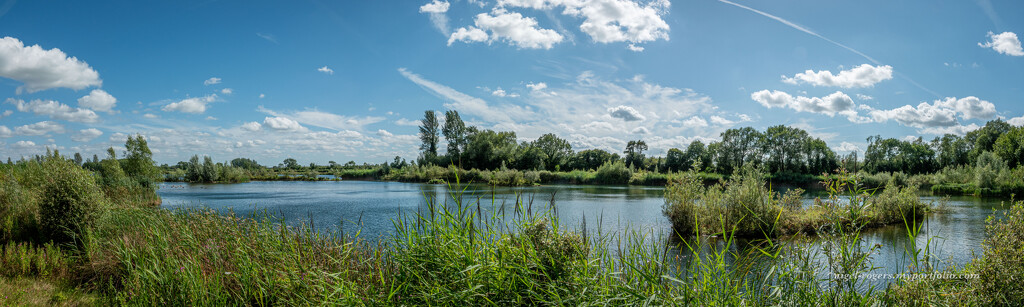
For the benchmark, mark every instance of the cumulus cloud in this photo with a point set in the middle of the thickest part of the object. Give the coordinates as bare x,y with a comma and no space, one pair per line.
385,133
98,100
537,86
955,129
5,132
864,75
40,69
150,116
436,9
830,105
227,91
194,105
40,128
846,147
940,113
282,123
55,110
1005,43
212,81
721,121
502,93
635,48
1016,121
251,126
695,122
510,27
325,70
640,130
609,21
314,117
23,144
86,135
625,113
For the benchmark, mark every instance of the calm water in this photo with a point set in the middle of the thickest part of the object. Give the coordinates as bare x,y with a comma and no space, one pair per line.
370,207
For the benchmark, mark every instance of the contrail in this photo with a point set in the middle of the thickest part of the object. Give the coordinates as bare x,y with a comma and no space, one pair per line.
808,31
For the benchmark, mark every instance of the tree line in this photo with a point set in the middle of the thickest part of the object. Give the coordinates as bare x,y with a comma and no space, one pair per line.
777,149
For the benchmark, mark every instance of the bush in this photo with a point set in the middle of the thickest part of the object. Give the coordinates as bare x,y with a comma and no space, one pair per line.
1001,268
613,173
69,202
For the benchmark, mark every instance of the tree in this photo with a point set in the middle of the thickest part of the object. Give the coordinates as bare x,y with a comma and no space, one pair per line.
291,163
590,159
488,149
429,135
138,161
454,131
530,157
635,153
984,139
78,159
245,163
697,155
739,147
951,150
556,151
1010,146
675,160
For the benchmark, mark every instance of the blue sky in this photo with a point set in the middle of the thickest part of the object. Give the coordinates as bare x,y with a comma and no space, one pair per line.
347,80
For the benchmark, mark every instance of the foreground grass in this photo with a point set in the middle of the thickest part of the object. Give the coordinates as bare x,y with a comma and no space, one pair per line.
42,292
455,253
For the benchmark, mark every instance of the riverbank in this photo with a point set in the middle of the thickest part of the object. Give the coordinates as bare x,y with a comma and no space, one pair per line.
451,254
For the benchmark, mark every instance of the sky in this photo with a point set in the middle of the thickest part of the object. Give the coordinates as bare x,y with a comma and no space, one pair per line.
323,81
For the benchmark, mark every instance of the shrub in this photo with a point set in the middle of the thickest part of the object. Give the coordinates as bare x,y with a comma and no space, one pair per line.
69,201
1001,268
613,173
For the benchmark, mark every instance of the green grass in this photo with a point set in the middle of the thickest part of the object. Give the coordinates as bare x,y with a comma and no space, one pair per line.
455,253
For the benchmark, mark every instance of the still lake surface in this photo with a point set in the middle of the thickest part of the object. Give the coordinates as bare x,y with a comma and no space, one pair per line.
370,207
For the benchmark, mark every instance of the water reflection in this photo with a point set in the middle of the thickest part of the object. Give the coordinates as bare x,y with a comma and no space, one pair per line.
954,237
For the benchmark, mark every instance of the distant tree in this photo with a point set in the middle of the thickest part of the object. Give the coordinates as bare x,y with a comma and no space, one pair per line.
739,147
291,163
138,161
590,159
1010,146
951,150
245,163
984,139
556,150
95,158
697,154
454,131
635,153
488,149
78,159
529,157
675,160
429,135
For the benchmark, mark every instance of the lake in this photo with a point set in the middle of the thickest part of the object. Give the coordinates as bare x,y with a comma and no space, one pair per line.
370,207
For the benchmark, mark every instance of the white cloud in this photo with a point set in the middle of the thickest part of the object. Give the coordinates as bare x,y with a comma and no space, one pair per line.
467,34
41,69
635,48
864,75
251,126
511,27
226,91
864,97
149,115
6,113
194,105
498,92
846,147
940,113
955,129
40,128
695,122
211,118
98,100
721,121
282,123
382,132
5,132
86,135
1005,43
462,102
537,86
626,113
830,105
325,70
55,110
609,21
1016,121
23,144
406,122
437,10
640,130
262,95
212,81
314,117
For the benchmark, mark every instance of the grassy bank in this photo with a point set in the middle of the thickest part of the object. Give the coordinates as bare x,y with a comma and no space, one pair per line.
454,253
